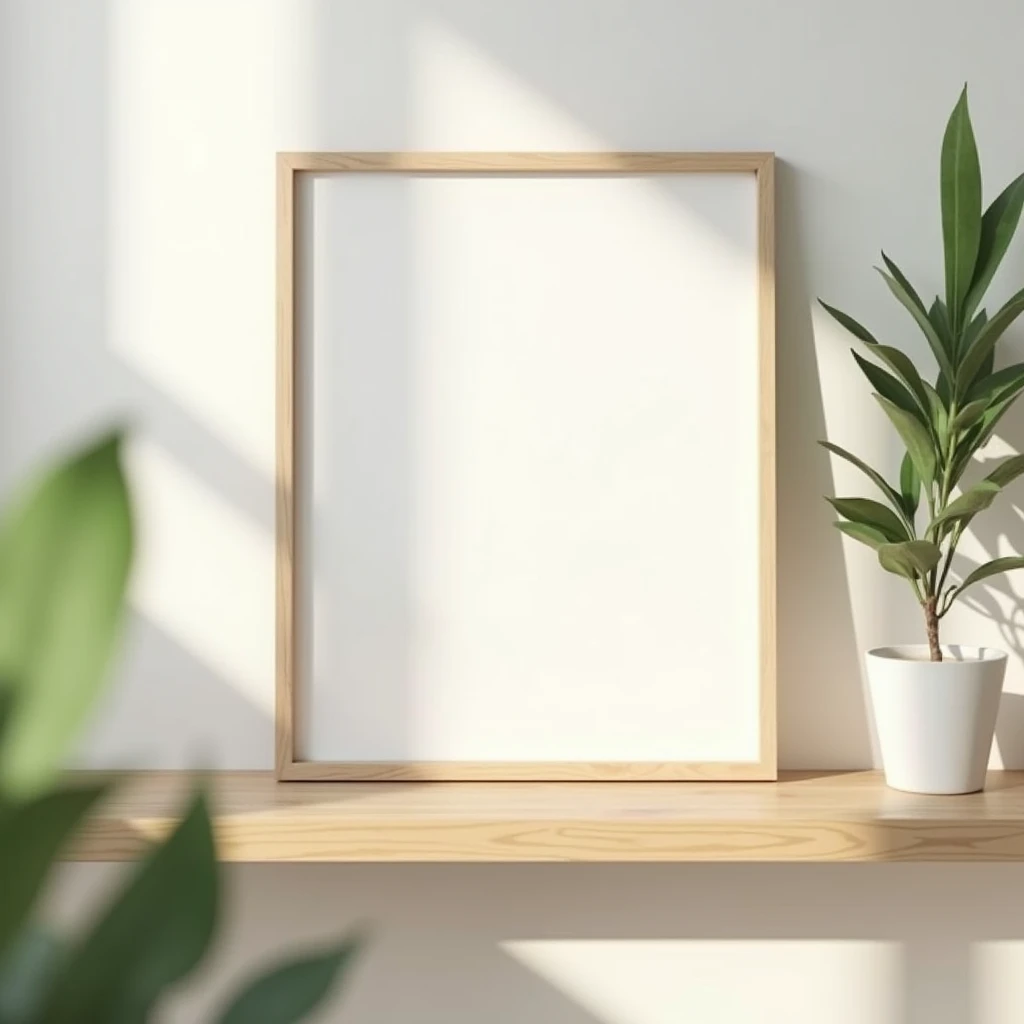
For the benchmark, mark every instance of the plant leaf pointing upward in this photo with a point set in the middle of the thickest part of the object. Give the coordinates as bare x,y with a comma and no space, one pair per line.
960,181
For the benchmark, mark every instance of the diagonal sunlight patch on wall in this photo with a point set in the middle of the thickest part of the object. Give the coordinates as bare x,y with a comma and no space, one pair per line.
192,105
464,99
999,986
202,574
192,228
665,982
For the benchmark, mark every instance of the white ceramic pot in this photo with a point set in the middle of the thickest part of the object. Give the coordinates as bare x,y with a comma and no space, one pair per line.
936,719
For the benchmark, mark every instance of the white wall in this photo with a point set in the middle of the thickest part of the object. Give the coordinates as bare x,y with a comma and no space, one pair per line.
136,261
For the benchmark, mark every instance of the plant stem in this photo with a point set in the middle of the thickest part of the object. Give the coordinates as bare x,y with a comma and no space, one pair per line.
954,539
931,621
932,577
937,578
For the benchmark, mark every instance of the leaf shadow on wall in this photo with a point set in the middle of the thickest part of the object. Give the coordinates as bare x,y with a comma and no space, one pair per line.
999,530
1010,623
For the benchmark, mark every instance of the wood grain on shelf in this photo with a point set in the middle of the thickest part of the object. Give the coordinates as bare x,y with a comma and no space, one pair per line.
806,817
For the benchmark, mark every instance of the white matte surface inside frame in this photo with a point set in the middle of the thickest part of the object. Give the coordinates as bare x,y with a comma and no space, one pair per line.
530,467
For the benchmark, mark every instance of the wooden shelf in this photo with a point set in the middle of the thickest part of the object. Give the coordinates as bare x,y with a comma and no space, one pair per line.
805,817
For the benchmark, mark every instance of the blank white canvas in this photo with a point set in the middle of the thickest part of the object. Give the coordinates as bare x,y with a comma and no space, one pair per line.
530,522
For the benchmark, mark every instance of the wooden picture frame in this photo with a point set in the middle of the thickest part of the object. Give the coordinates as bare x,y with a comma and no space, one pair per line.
290,764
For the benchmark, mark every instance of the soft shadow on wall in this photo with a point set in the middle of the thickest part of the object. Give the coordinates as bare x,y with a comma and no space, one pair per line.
460,916
176,366
188,690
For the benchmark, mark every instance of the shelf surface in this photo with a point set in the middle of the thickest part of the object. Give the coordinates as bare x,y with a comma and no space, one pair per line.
805,817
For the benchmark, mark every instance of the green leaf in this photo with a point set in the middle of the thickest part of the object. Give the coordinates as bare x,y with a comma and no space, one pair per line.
887,385
904,368
6,704
934,322
916,438
980,434
291,991
965,449
968,416
1007,471
902,281
943,388
970,334
65,553
880,482
32,834
991,385
938,416
974,361
155,933
911,559
975,499
998,226
993,568
961,207
26,974
939,317
918,313
865,534
970,443
873,514
993,415
910,487
988,365
849,323
1009,393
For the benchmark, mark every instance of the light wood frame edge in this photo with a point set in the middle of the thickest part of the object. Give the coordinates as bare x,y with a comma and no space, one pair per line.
286,444
287,765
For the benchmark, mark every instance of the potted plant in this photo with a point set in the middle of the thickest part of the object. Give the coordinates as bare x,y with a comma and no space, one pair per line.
935,706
